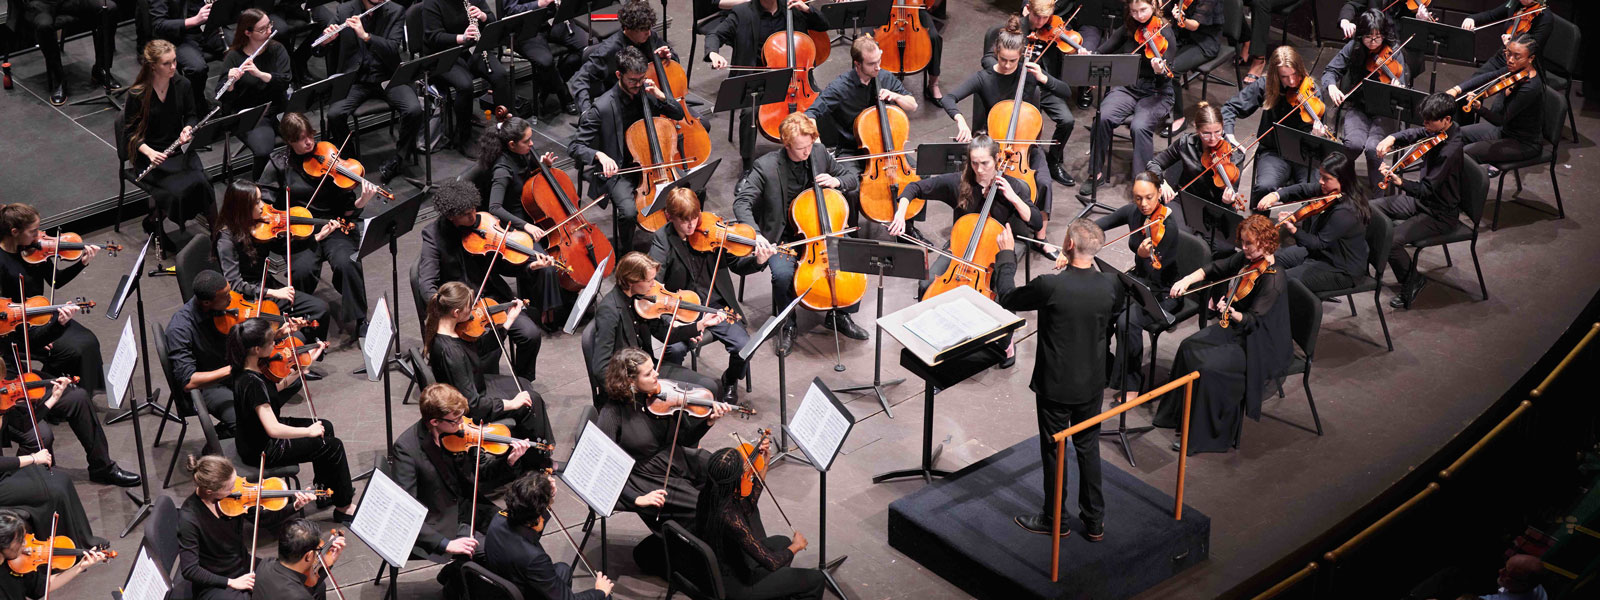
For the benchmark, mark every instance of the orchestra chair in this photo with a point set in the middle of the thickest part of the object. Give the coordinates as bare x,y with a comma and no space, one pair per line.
707,17
185,407
691,565
192,259
1554,108
1475,192
226,447
1282,15
596,380
1193,253
1558,61
1380,235
419,296
161,536
482,584
423,377
1232,35
1305,324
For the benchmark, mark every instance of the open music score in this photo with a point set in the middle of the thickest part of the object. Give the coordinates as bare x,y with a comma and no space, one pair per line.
388,519
597,470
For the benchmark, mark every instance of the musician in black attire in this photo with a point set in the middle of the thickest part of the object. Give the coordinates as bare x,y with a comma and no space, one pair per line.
263,79
1075,307
64,346
445,259
631,384
1087,25
1359,130
213,550
300,554
1274,95
1430,205
445,25
244,258
185,23
747,28
536,48
837,106
1184,159
754,565
48,16
1141,106
370,47
601,66
599,148
1198,41
161,114
617,325
1538,29
13,531
506,158
1146,199
1035,18
29,487
1513,125
1235,362
513,547
1330,249
65,403
1396,10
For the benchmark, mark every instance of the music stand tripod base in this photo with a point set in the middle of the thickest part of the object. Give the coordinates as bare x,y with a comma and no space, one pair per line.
886,260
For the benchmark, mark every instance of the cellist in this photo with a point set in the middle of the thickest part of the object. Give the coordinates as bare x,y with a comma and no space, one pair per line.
746,27
506,159
599,144
637,21
850,93
1036,19
1428,206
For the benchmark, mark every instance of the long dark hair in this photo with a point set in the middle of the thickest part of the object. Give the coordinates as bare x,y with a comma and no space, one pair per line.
1341,167
625,366
495,142
1370,22
970,193
244,337
237,216
140,89
249,19
719,499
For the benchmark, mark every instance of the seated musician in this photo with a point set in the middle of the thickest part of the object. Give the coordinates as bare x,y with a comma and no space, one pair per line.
753,564
1275,96
1352,8
536,48
1145,199
161,112
618,323
185,24
47,18
262,431
443,481
1539,28
371,46
1036,18
505,156
684,268
1430,205
300,549
1361,131
1184,160
64,346
243,257
1199,39
65,402
513,547
199,350
1241,360
30,488
259,68
1140,106
600,70
666,479
1513,123
14,529
213,548
747,28
836,107
1330,249
1088,26
598,147
457,362
450,23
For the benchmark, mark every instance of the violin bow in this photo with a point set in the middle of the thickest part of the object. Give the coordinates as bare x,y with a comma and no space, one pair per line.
256,529
50,552
1513,17
1216,283
568,534
759,476
326,568
27,366
325,172
1147,225
288,266
55,266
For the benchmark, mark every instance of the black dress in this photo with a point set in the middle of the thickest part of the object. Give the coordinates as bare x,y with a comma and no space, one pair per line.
754,565
178,188
1235,363
457,362
648,439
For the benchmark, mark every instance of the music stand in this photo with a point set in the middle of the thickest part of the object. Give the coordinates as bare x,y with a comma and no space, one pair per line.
129,284
856,15
417,71
818,419
378,233
320,93
1303,148
505,31
1100,70
236,125
940,158
695,180
1442,41
1383,99
750,91
1201,215
885,259
1109,13
587,296
761,335
1160,316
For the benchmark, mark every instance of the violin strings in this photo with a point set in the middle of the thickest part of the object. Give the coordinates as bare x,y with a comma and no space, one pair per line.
327,169
759,476
55,266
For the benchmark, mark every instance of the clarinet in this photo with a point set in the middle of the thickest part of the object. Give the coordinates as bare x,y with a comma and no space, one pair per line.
473,22
223,89
330,36
174,146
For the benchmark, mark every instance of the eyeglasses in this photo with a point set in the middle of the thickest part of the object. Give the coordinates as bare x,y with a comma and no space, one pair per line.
1374,38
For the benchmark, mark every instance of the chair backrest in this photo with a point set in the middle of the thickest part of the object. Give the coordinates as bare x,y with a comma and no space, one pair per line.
1554,105
590,415
587,345
419,296
1474,189
1233,20
1562,51
482,584
1380,236
192,259
479,177
161,535
424,372
208,426
413,31
119,133
180,395
1305,317
690,562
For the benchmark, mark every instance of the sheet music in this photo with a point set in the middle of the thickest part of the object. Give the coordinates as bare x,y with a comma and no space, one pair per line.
375,348
586,296
146,581
388,519
120,372
818,427
949,324
597,470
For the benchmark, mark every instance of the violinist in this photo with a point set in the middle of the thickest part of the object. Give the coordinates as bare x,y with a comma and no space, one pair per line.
65,403
1238,361
30,488
65,346
836,108
450,23
754,565
1185,160
746,28
1075,305
1513,121
1538,26
618,325
258,67
1140,106
599,147
460,364
300,548
506,155
514,550
1330,249
46,18
601,70
764,198
1360,131
1088,27
14,530
261,430
1430,205
243,257
286,170
1146,200
631,384
684,268
371,46
1351,9
1036,16
199,351
1275,95
213,548
187,26
536,48
445,259
1199,29
161,114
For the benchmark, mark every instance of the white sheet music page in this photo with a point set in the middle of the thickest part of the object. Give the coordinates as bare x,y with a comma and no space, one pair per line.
120,372
949,324
145,582
818,428
375,348
388,519
597,470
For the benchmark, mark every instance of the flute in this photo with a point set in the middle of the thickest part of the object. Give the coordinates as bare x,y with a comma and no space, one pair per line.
329,36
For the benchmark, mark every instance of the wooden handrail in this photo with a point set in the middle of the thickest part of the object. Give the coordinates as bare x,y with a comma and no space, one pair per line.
1289,582
1359,538
1567,360
1454,467
1146,397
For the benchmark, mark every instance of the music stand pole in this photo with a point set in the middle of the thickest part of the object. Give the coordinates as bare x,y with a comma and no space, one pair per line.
888,260
145,505
823,564
1122,429
1104,170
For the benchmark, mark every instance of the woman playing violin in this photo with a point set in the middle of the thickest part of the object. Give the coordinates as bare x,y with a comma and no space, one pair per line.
1238,361
63,402
300,548
35,492
506,162
1535,24
213,548
1375,37
1513,120
1430,205
618,325
64,346
753,564
1330,249
1199,156
1145,202
1140,106
14,529
631,383
1199,29
243,258
1275,95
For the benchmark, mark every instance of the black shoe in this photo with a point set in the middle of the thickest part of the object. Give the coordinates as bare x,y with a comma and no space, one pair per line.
58,93
846,326
1038,523
730,392
1060,174
324,502
390,169
343,517
1094,532
927,92
1045,252
313,374
1169,131
1085,97
116,476
1010,361
1086,191
1408,293
570,107
102,76
785,339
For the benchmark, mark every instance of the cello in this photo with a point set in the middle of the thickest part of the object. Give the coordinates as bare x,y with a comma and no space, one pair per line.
696,141
1021,122
884,129
572,238
652,141
796,52
907,46
819,212
977,233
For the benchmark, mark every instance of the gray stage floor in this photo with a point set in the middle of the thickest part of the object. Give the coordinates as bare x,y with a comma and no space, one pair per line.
1383,412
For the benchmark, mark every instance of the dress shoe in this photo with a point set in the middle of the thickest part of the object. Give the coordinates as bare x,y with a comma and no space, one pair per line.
1085,97
1060,174
58,93
927,93
570,107
312,374
1045,252
116,476
1010,361
1086,191
846,326
343,517
1039,523
785,339
730,392
390,169
1408,293
102,76
1094,532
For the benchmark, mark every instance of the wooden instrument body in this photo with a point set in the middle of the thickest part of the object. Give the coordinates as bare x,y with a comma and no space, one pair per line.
297,220
695,140
651,145
981,253
239,310
1029,122
485,314
884,177
61,552
714,233
287,353
907,47
580,244
67,246
801,94
821,287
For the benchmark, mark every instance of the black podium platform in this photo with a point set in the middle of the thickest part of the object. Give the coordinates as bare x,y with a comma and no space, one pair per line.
960,527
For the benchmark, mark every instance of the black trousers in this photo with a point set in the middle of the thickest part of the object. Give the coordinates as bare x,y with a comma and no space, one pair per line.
261,141
1059,113
338,252
783,292
192,63
529,422
401,98
326,455
525,338
1129,358
1141,109
459,78
1362,133
1486,143
620,190
1411,224
38,493
733,337
1055,416
788,583
48,16
74,409
306,305
1317,275
1272,173
1187,58
1045,199
1261,24
76,352
537,50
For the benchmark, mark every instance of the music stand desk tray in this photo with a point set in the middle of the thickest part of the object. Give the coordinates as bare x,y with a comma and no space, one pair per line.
895,324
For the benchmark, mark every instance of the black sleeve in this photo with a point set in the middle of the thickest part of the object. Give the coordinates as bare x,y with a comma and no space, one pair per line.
189,535
1298,192
1111,40
1031,296
1477,81
449,368
228,257
433,30
1244,103
723,35
1005,272
606,322
387,43
428,274
747,193
1266,293
503,185
1339,225
815,20
967,87
1426,188
586,143
1164,159
1334,72
168,24
1523,99
1123,215
768,558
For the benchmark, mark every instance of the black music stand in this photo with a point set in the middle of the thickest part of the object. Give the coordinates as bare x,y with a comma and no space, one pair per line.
761,335
1201,215
505,31
822,458
941,157
974,356
1441,41
321,93
1304,148
384,232
856,15
129,284
696,180
748,92
1095,13
1152,306
1100,70
1403,104
417,71
885,259
236,125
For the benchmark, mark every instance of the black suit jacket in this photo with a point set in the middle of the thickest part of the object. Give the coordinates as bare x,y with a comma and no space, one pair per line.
599,70
1075,311
673,252
444,259
513,552
759,199
616,327
604,127
418,469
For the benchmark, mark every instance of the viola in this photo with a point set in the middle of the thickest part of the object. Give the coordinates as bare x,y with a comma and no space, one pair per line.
791,51
289,353
29,386
515,247
738,239
1310,105
315,574
907,46
1158,232
272,494
755,464
1055,33
1242,285
1417,151
1021,122
548,199
692,400
653,142
1475,98
976,233
1311,208
669,76
239,310
486,313
494,438
59,551
67,246
1154,43
819,213
297,221
36,310
683,305
884,129
1385,64
1219,161
1522,22
346,173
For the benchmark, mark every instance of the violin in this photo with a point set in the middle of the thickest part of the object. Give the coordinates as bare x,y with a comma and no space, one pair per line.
669,76
797,52
29,386
59,551
1242,285
272,494
907,46
1500,84
1021,122
693,400
1311,208
755,464
1055,33
515,247
36,310
239,310
1158,231
684,305
486,313
653,141
67,246
819,213
346,173
1385,65
1417,151
288,354
884,129
1522,22
298,222
1219,161
738,239
580,244
975,232
315,574
494,438
1311,106
1155,45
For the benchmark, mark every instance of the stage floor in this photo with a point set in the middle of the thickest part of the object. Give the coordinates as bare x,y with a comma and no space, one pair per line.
1383,412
